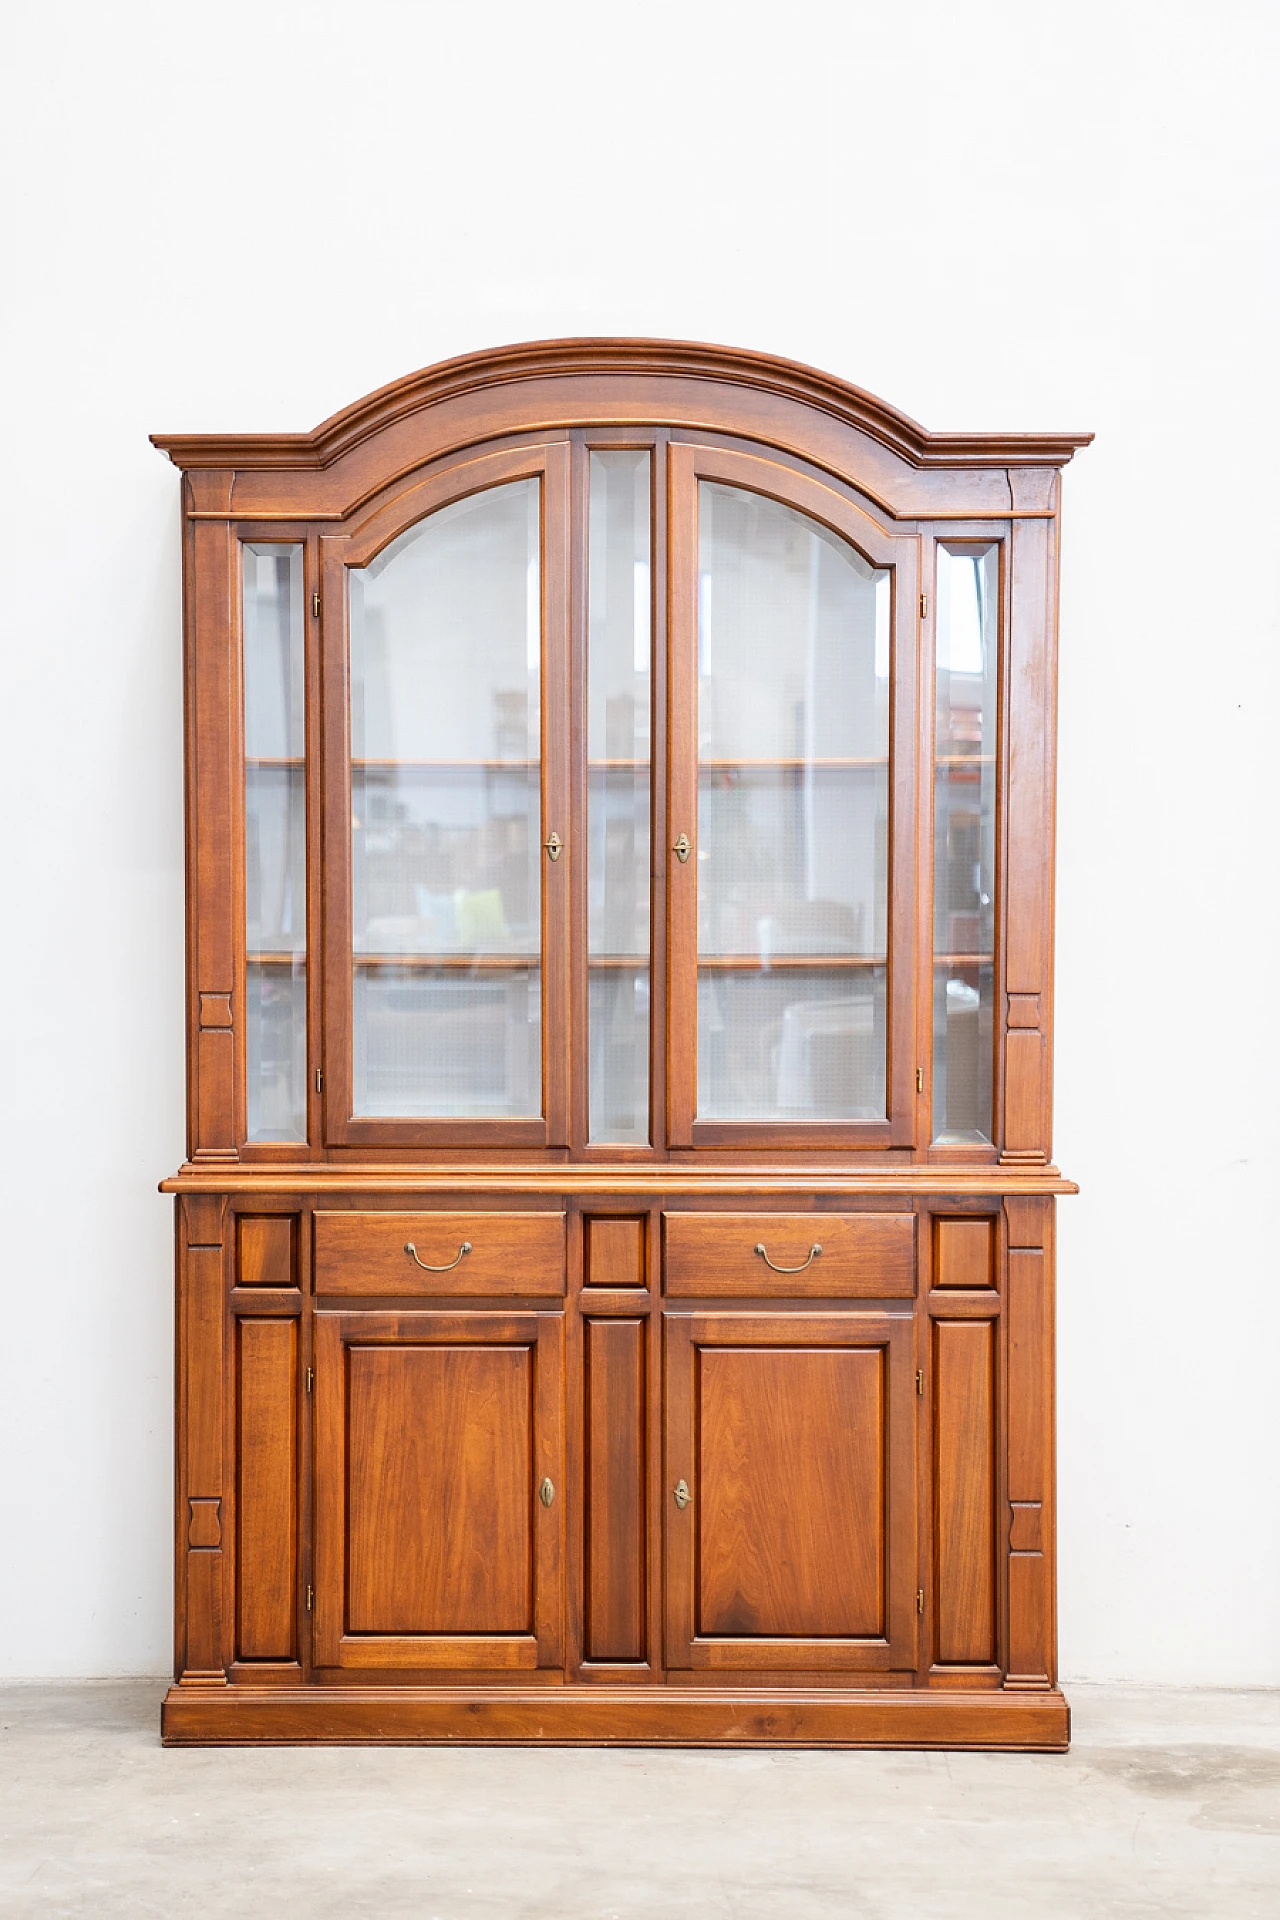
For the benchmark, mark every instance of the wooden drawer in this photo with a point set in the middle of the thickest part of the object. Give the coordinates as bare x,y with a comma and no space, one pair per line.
864,1255
509,1254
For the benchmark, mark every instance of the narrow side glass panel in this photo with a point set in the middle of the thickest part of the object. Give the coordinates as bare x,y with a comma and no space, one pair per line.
964,841
619,701
446,812
793,816
275,840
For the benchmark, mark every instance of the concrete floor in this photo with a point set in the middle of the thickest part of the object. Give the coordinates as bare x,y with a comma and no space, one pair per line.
1168,1805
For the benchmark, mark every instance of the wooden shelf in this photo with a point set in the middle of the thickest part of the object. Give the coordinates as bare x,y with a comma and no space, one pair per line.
963,959
444,766
298,959
274,763
794,764
780,962
452,962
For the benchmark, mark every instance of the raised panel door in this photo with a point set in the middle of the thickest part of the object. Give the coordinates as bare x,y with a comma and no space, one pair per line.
790,1520
439,1442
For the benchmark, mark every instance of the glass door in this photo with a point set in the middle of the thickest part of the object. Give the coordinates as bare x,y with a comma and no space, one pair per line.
791,847
447,868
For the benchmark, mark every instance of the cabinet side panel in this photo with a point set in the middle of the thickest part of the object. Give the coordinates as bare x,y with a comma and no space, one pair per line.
964,1478
266,1502
615,1517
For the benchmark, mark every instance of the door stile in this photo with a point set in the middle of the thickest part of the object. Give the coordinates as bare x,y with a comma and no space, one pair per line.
578,628
682,792
557,753
904,843
334,1091
925,749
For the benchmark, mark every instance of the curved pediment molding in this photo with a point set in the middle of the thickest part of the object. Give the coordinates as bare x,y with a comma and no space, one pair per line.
595,360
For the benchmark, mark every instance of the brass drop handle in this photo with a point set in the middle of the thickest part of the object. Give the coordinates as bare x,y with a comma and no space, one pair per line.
546,1493
682,849
427,1267
814,1251
552,846
680,1494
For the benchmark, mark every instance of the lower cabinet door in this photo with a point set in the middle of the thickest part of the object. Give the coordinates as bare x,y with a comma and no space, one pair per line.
439,1517
790,1492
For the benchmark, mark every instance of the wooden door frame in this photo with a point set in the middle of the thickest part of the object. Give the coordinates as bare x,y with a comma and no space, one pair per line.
547,461
773,477
332,1645
684,1335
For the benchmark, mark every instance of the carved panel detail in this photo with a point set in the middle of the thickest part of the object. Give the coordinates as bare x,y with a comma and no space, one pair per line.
205,1526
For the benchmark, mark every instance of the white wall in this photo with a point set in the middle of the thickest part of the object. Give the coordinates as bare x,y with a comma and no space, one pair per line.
996,216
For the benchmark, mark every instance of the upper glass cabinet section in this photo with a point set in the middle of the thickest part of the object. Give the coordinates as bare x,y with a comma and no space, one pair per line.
793,639
446,814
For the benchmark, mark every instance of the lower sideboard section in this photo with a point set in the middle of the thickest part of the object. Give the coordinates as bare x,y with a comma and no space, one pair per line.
614,1716
657,1471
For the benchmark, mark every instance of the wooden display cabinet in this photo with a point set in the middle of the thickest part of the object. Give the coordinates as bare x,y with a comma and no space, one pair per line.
615,1243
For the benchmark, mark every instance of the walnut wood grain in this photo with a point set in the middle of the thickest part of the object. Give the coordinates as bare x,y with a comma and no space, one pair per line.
266,1489
867,1255
964,1462
616,1423
509,1254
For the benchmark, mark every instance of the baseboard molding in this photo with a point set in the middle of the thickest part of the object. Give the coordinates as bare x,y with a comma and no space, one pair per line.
614,1716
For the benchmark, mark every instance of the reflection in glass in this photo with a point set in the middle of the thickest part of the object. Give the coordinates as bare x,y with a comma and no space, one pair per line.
964,856
793,816
618,796
446,658
275,790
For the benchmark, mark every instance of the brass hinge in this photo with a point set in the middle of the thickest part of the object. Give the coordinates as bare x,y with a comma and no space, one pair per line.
310,1597
319,1081
924,606
919,1599
919,1381
919,1079
311,1378
315,606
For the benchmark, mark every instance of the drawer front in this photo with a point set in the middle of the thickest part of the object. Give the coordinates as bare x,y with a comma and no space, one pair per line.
868,1256
509,1255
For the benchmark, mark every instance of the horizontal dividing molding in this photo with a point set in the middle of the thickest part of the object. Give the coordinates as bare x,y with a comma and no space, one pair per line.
655,1181
601,1716
618,358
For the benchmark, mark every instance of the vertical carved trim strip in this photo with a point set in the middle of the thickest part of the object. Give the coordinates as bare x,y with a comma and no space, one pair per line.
964,1491
212,627
616,1491
1029,1320
266,1489
1029,751
202,1571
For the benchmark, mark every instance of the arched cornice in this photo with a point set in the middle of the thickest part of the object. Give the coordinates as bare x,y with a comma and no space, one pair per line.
474,373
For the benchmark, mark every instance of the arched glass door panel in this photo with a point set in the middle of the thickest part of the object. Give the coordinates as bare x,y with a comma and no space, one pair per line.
793,790
793,816
446,807
446,776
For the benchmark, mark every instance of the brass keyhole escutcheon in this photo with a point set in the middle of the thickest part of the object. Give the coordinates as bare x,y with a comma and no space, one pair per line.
682,849
553,846
681,1495
546,1493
